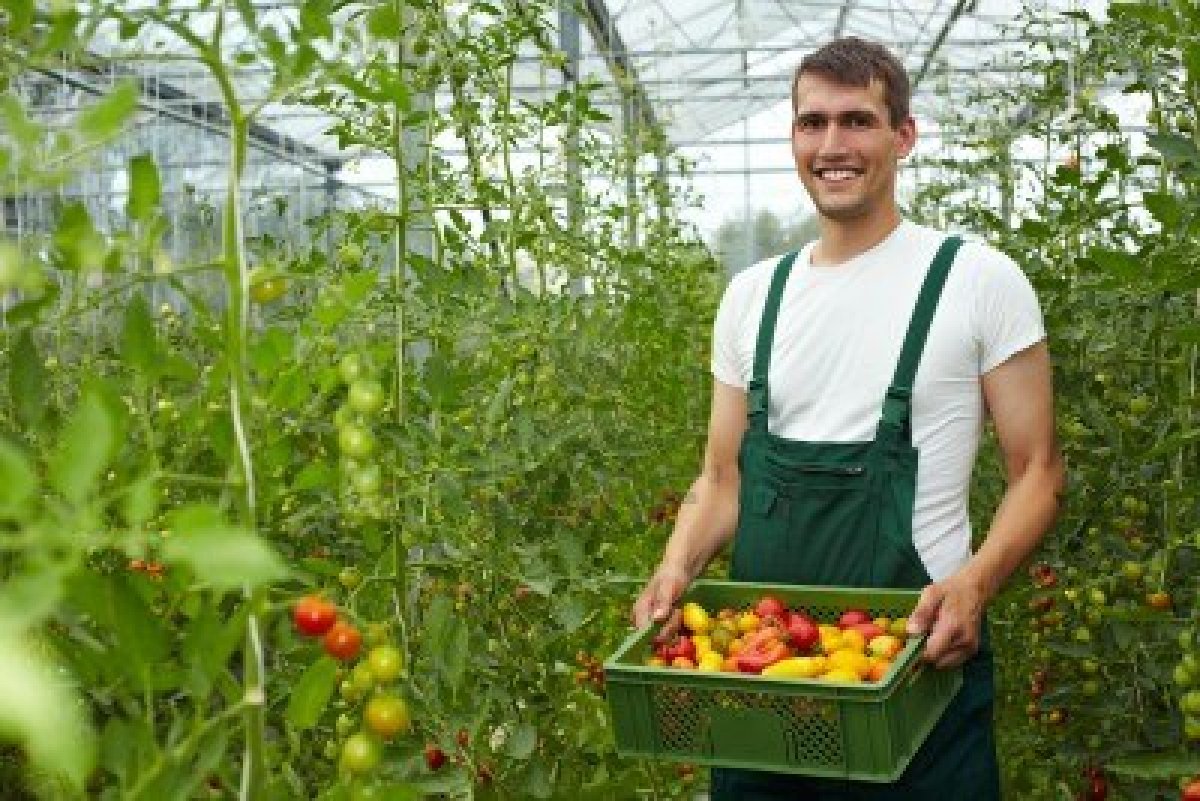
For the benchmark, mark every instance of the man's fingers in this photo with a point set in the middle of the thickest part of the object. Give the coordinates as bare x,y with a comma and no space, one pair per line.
925,613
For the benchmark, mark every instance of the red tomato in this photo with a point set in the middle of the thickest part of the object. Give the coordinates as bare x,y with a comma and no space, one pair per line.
852,617
342,641
313,616
679,647
434,757
1191,791
803,632
769,606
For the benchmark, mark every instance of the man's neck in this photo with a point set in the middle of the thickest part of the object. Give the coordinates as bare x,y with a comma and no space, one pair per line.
842,241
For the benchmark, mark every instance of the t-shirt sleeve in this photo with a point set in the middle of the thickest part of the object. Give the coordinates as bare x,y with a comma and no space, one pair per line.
1008,317
726,364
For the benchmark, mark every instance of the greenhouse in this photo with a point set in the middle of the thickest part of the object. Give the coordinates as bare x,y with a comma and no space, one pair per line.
599,399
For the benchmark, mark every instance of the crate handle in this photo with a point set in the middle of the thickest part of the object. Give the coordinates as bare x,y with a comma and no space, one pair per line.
918,664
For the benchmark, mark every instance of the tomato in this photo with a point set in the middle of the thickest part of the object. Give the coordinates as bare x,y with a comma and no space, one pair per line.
768,607
852,617
351,368
802,631
350,254
313,616
342,641
434,757
377,633
266,285
869,631
366,396
678,647
360,754
387,663
387,716
355,441
350,578
1190,791
366,480
362,678
1159,600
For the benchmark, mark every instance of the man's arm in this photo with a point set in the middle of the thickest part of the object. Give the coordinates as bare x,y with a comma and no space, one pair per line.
1019,398
708,515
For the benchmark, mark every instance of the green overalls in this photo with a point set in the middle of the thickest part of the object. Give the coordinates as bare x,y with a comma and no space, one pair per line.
833,513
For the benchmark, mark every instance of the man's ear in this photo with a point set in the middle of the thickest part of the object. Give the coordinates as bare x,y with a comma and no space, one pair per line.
906,137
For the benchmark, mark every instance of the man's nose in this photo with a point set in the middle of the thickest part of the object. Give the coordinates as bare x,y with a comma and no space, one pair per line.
833,140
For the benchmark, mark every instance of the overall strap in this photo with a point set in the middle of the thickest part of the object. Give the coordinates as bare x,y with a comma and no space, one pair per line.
897,405
756,392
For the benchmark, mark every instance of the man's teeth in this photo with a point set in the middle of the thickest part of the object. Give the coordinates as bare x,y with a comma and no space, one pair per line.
837,175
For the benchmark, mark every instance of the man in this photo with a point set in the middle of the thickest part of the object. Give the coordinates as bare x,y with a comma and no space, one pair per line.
852,384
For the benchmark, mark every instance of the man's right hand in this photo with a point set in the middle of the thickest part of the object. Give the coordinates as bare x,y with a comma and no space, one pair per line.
657,599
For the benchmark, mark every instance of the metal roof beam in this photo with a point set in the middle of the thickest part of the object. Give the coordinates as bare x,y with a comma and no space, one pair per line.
604,31
843,14
931,53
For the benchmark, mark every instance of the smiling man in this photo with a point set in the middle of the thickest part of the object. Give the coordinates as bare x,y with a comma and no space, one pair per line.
853,381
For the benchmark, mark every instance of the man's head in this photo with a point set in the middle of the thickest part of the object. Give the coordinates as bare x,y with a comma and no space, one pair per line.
851,126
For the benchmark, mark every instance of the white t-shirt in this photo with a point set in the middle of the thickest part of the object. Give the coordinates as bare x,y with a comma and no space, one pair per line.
836,343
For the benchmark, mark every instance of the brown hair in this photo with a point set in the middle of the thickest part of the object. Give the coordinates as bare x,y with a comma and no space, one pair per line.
852,61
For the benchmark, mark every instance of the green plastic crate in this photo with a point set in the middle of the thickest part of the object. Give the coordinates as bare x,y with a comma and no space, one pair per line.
866,732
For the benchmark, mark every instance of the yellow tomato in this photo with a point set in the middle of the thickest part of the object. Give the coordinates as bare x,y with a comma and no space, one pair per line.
842,674
852,660
831,642
703,645
711,662
656,661
879,669
696,618
899,627
854,639
748,622
798,667
886,645
882,622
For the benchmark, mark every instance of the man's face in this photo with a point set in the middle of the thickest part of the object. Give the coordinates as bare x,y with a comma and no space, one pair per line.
845,148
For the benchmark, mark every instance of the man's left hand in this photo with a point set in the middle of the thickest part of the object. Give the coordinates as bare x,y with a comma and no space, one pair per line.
950,611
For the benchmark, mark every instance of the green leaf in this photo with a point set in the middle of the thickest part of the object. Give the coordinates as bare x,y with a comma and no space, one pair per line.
1163,206
447,643
221,555
145,188
383,22
17,479
78,245
570,613
27,381
1175,149
26,132
522,742
141,500
41,712
1155,765
106,118
311,693
139,341
83,450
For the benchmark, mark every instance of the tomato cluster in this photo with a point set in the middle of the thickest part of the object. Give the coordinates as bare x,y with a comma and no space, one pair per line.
365,398
771,640
314,616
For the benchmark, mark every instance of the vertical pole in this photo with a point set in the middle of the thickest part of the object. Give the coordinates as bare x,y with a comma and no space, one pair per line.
568,42
630,108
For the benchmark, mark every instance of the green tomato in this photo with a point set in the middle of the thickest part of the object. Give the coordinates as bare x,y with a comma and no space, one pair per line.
351,368
360,754
355,441
366,396
386,661
366,480
350,254
363,678
1190,702
350,577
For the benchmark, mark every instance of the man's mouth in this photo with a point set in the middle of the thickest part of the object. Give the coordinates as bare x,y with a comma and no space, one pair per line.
837,174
